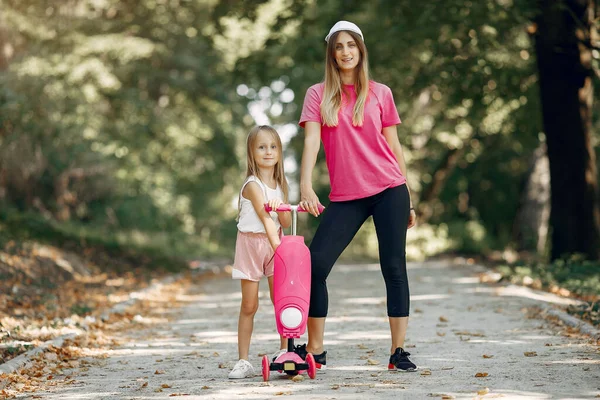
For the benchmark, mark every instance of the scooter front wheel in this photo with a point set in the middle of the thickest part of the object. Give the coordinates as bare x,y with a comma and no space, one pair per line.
266,368
312,366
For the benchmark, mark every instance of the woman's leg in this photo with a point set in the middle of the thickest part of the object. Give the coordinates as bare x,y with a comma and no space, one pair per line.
246,321
339,224
390,215
282,340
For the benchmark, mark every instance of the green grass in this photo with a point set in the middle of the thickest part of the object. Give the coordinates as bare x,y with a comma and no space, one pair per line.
153,251
574,274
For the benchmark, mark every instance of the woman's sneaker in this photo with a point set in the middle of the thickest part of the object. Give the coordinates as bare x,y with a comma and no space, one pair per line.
399,361
320,359
242,369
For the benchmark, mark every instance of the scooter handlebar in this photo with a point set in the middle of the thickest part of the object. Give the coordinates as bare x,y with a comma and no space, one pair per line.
288,207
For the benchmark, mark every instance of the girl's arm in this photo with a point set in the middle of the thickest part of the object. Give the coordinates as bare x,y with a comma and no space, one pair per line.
254,193
285,218
391,136
312,144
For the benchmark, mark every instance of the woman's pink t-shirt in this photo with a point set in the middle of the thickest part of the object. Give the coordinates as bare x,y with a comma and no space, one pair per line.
359,159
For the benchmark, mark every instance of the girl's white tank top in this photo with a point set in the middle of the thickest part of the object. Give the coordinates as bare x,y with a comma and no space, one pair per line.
249,221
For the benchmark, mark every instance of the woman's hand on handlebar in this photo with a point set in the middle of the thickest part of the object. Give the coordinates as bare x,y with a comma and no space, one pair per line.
310,202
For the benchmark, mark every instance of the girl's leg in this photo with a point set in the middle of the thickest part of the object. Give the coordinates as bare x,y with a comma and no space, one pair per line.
282,340
390,215
246,321
339,224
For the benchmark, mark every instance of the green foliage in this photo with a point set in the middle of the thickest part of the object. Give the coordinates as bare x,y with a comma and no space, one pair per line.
121,110
110,249
121,118
463,79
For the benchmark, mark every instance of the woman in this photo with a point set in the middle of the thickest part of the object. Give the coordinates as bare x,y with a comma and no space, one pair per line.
356,119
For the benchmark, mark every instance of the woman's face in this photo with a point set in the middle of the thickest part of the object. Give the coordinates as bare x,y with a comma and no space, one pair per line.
347,55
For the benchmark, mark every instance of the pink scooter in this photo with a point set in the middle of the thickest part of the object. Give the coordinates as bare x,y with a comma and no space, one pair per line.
291,297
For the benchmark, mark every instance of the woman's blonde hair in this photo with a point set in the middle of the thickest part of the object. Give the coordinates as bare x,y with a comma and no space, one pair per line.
332,93
252,166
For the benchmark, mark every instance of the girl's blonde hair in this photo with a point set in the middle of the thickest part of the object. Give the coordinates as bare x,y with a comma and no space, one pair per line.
332,93
252,166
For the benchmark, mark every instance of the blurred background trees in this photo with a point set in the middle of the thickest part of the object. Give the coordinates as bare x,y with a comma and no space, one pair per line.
128,118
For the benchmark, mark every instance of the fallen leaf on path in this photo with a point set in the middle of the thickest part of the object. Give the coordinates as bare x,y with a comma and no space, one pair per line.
418,310
178,394
370,361
335,387
483,391
144,384
362,346
205,387
165,386
441,333
426,372
159,372
448,396
466,333
487,356
481,375
447,368
443,319
298,378
283,393
530,354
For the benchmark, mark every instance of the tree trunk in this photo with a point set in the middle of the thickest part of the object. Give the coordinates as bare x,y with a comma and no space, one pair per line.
563,45
530,229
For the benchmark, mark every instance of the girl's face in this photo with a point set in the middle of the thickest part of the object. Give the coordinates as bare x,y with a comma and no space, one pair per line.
347,55
266,150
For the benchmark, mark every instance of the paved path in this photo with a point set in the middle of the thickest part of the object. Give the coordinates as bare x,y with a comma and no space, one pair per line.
459,328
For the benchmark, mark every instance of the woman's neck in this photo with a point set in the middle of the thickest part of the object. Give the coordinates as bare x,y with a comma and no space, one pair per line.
348,77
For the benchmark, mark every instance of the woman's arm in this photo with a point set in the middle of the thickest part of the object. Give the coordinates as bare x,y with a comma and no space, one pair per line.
254,193
391,136
312,144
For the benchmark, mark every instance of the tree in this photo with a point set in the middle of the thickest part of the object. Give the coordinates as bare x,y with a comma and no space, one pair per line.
564,43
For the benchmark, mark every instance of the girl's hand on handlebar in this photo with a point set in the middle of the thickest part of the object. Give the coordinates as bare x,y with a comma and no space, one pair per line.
310,202
274,204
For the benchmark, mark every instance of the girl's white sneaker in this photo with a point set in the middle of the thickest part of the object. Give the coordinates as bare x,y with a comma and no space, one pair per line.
278,353
242,369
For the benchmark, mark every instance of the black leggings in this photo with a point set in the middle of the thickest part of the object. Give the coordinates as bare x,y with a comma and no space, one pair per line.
340,222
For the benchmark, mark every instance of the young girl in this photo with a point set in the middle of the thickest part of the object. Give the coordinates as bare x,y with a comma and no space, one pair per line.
259,232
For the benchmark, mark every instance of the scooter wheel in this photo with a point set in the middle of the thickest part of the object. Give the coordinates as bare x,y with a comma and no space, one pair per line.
266,368
312,366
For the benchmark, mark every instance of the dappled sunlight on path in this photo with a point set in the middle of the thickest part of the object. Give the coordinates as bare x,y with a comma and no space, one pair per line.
465,336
